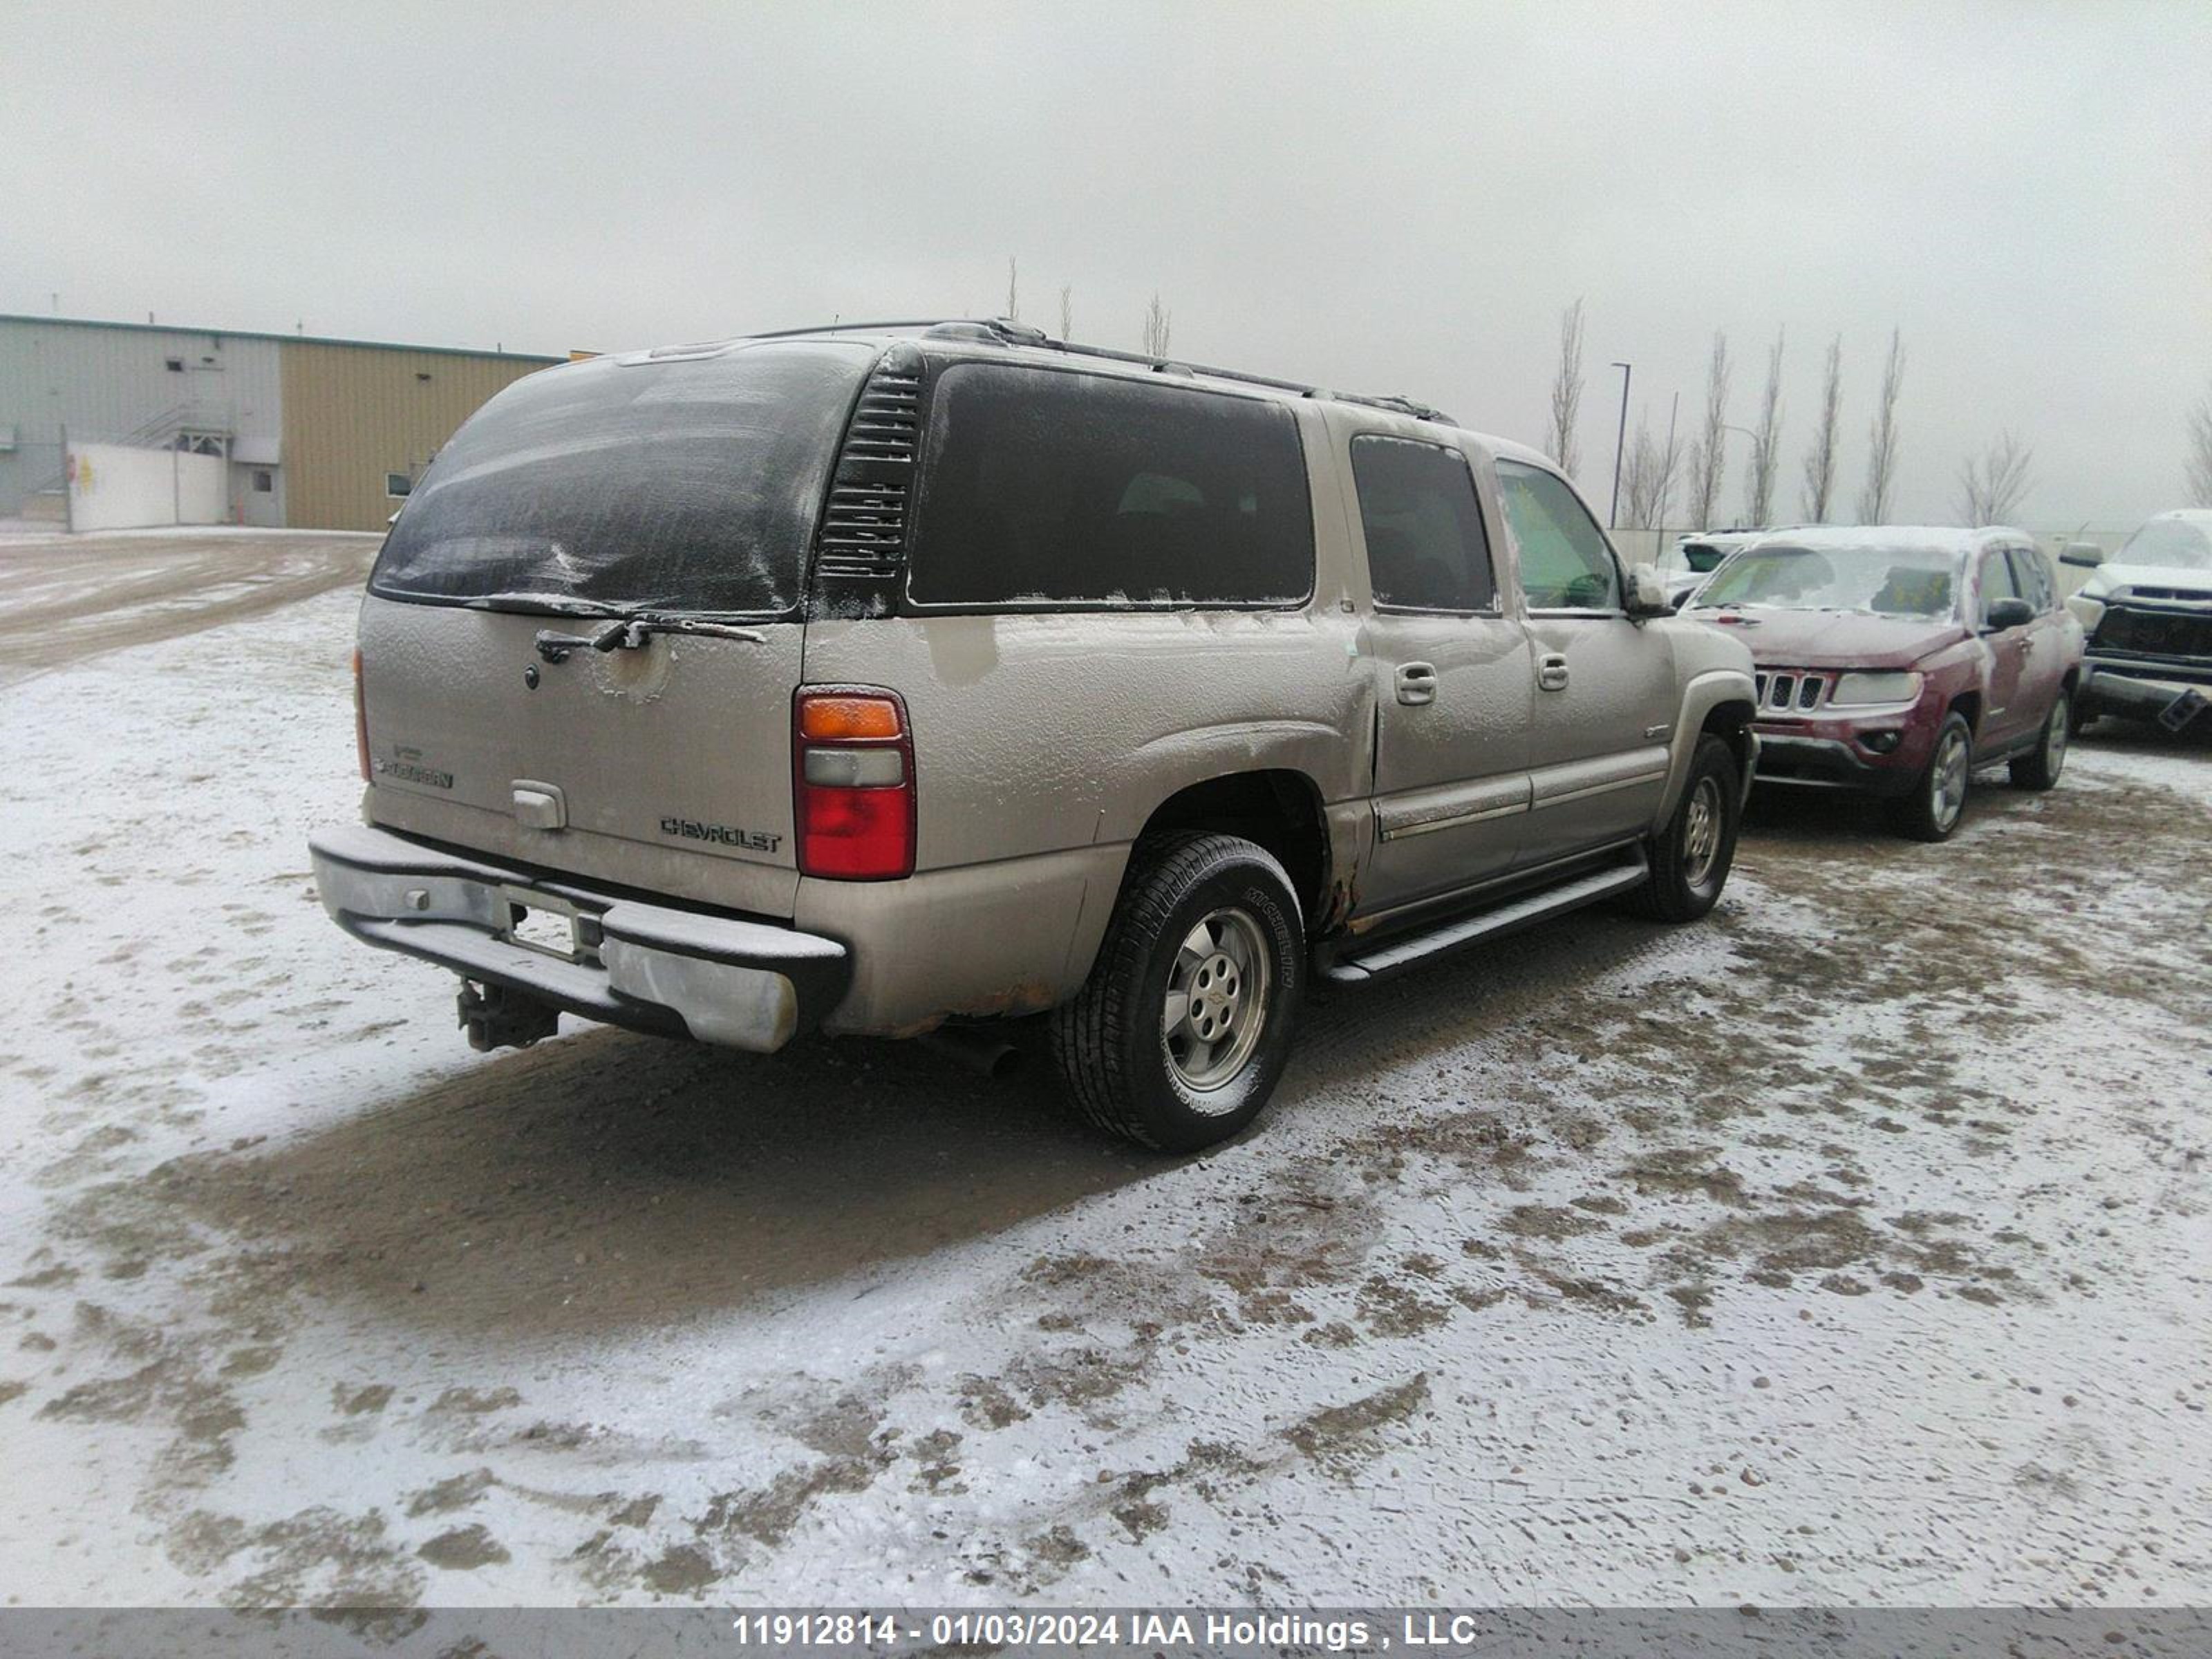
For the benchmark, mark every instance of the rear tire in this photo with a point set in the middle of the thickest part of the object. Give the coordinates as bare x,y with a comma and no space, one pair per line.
1180,1034
1937,803
2039,768
1690,858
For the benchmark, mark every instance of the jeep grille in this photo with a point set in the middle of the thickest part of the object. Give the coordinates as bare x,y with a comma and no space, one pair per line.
1786,691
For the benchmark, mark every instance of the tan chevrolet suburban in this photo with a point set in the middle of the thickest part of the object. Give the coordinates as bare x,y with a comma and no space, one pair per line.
881,680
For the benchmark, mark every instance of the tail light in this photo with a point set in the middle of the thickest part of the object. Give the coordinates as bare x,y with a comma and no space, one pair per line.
852,784
359,718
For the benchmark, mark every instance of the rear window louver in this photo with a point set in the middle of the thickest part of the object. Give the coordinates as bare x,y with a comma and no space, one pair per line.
864,526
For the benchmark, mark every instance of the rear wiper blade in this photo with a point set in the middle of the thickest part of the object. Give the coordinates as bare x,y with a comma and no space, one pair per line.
557,604
628,631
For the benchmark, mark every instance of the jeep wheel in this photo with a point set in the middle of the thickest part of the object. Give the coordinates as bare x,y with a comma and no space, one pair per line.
1690,858
1176,1039
1931,809
2039,768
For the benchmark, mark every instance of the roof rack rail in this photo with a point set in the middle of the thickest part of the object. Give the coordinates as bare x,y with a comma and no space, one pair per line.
1019,333
850,328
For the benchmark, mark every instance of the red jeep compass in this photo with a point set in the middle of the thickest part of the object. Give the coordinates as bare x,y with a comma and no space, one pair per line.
1896,661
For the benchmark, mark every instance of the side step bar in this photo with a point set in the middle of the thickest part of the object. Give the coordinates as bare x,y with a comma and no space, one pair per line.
1405,950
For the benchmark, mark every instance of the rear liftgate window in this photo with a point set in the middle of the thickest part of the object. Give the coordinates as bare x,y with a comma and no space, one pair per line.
689,484
1042,487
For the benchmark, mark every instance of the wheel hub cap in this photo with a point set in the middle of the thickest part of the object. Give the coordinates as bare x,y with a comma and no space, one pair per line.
1216,1000
1701,833
1950,778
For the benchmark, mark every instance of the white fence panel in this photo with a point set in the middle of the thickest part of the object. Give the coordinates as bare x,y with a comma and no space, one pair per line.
117,487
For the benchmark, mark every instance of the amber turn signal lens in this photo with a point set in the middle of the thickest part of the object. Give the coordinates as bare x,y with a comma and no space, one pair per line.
848,720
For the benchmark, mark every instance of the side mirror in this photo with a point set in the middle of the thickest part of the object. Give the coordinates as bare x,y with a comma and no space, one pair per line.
2087,555
1647,593
2009,613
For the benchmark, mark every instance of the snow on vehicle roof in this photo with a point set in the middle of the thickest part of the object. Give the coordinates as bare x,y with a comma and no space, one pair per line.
1000,339
1891,538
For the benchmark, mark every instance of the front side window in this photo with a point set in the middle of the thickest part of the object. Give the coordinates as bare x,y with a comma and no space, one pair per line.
2030,574
1565,564
1046,487
1996,580
1426,548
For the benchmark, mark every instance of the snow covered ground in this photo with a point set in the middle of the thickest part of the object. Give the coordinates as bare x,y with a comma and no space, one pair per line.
1852,1246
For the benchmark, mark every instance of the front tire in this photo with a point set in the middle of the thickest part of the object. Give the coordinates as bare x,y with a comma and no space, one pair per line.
1690,858
2039,768
1181,1033
1933,807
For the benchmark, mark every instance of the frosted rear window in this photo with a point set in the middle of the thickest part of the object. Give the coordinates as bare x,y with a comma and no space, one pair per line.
689,485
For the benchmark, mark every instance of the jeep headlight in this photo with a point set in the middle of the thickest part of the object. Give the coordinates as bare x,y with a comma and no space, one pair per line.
2086,611
1853,689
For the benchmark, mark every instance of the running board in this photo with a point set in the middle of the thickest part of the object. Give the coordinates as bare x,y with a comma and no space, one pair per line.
1407,949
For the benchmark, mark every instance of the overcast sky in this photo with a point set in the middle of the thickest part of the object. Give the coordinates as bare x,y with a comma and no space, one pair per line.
1378,196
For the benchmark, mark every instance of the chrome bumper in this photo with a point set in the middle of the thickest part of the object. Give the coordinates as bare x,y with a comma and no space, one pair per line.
2144,689
681,973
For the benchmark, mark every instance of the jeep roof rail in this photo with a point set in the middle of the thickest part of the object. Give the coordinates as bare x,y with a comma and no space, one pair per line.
1011,332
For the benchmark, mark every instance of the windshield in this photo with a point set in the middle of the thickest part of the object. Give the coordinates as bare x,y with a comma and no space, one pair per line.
2175,543
689,485
1893,581
1702,557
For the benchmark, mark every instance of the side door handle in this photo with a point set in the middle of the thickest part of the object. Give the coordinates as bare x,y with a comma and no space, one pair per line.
1552,671
1417,683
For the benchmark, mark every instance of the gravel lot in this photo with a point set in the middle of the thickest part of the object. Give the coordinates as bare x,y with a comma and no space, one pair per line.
1852,1246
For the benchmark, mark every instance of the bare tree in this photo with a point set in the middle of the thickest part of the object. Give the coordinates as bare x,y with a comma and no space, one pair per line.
2200,450
1567,392
1708,456
1820,458
1648,484
1881,454
1013,297
1066,314
1992,484
1765,444
1156,318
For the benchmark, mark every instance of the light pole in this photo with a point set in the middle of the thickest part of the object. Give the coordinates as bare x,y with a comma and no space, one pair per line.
1730,426
1619,443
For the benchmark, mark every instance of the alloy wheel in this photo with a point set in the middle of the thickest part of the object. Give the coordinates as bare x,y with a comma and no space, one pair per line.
1216,1000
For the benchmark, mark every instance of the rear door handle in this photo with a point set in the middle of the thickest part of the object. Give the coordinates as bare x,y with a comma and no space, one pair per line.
1552,673
1417,683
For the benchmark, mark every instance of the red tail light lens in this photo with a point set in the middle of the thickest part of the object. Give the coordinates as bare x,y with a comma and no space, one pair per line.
359,718
852,791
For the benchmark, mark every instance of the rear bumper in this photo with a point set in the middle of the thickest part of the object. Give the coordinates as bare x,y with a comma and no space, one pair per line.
744,984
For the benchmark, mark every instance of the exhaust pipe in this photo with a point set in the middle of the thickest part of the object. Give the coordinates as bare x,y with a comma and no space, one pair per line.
993,1057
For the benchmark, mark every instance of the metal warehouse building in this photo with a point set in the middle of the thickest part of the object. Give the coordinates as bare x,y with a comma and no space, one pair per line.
289,429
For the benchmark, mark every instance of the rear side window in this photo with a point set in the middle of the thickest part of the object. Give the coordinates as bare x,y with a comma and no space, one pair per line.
1565,564
689,484
1042,487
1426,548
